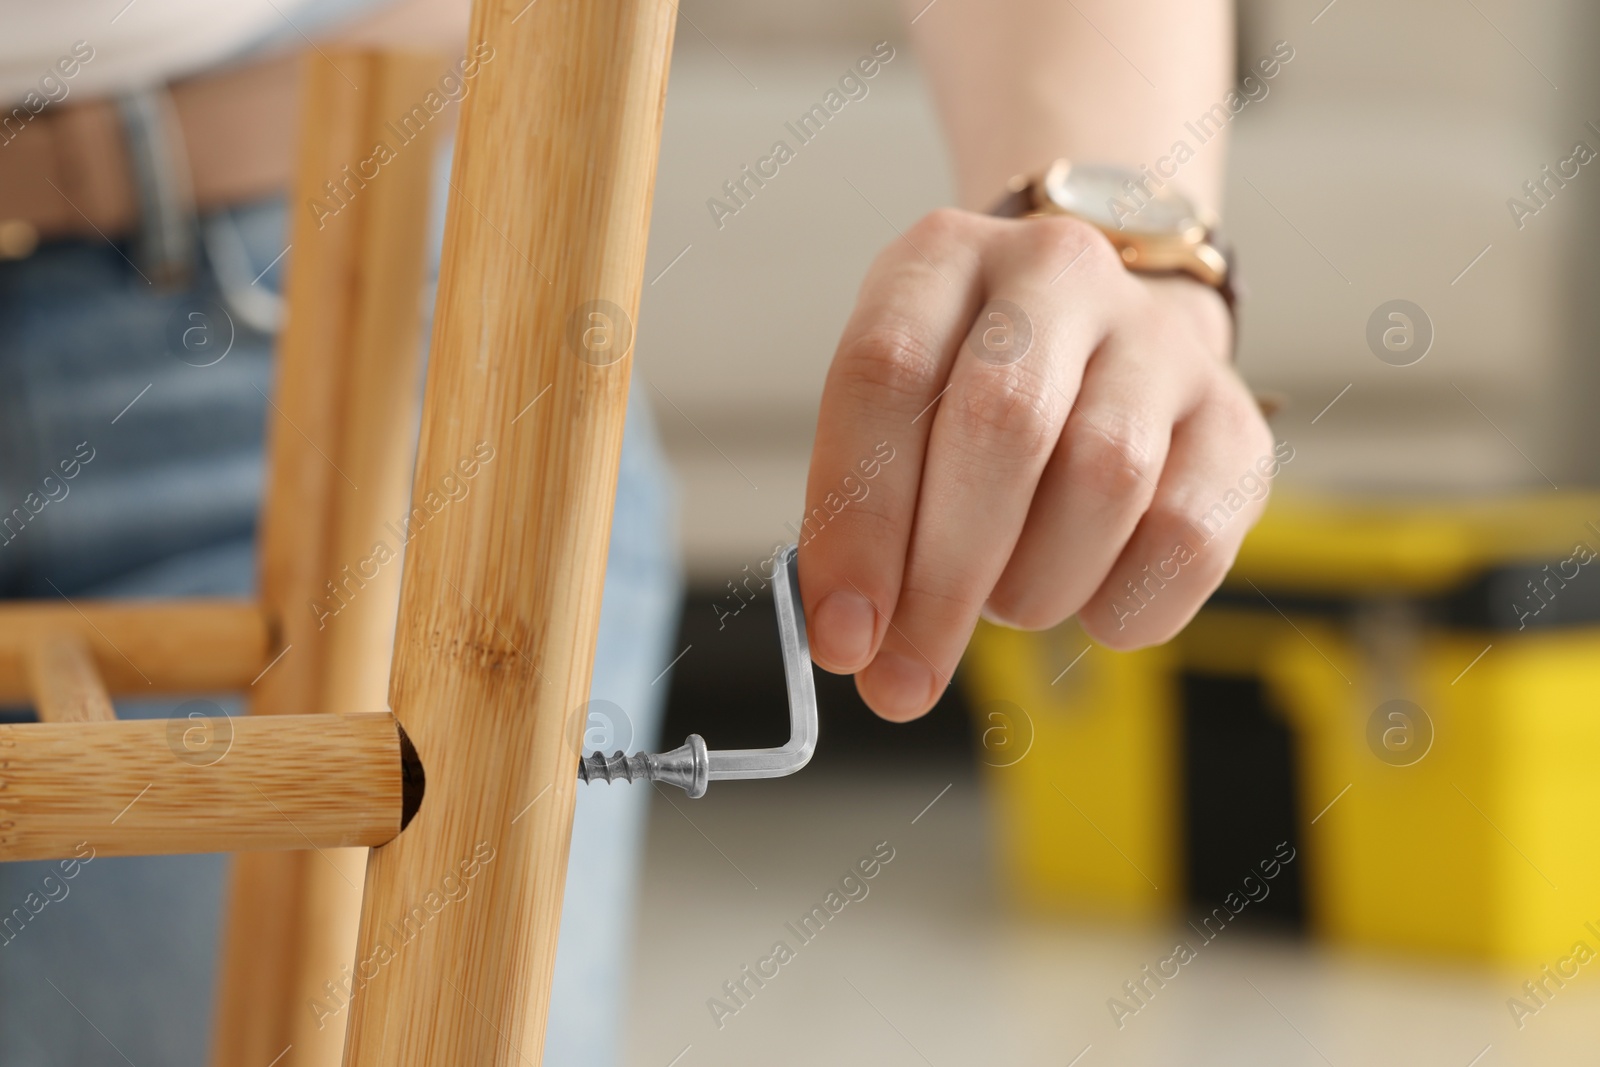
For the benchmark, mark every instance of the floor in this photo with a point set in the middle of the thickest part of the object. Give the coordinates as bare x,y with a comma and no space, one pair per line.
923,965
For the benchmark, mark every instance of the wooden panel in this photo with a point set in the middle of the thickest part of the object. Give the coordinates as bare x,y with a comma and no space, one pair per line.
341,436
65,682
143,649
501,597
206,784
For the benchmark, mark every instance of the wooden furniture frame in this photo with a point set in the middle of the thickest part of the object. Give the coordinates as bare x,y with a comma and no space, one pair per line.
499,598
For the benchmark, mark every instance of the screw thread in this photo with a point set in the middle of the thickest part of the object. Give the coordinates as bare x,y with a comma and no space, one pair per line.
688,767
598,767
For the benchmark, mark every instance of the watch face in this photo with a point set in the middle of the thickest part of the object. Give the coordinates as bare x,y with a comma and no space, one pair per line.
1118,198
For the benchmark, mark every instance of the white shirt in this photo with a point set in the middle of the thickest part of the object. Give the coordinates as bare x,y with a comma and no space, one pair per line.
135,43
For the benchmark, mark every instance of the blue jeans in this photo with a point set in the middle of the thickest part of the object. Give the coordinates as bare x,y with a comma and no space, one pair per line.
122,966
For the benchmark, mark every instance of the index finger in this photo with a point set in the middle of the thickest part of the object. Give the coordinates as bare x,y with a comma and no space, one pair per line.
892,364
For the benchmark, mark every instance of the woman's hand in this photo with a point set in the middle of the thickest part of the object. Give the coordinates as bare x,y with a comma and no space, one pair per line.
1016,425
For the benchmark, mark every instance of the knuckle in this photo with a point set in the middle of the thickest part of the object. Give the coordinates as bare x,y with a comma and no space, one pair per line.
1103,627
1199,526
1149,606
941,226
1046,239
946,593
889,362
1112,458
1098,625
941,602
1007,416
1255,426
1229,393
1172,516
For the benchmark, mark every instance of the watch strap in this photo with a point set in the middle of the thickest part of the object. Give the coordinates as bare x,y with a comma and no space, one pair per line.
1017,203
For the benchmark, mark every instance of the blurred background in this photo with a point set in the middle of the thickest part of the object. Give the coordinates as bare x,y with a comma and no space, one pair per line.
1346,817
1067,815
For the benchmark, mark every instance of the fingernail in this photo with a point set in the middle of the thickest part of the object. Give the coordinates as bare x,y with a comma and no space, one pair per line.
989,615
900,687
843,630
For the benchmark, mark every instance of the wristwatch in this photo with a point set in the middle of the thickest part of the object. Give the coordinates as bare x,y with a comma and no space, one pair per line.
1155,228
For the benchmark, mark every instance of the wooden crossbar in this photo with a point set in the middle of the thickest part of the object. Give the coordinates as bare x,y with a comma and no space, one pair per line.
142,648
207,783
65,682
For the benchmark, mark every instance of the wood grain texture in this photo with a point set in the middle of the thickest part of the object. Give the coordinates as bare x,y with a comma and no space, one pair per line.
500,601
143,787
143,649
341,441
65,682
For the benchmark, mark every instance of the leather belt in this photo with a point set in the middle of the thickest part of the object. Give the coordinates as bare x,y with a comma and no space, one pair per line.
68,172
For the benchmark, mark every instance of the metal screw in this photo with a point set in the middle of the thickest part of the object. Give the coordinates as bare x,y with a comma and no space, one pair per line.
690,767
685,767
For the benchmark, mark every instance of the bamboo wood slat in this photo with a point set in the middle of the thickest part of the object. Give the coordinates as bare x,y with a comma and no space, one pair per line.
65,682
142,648
141,787
500,600
341,441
